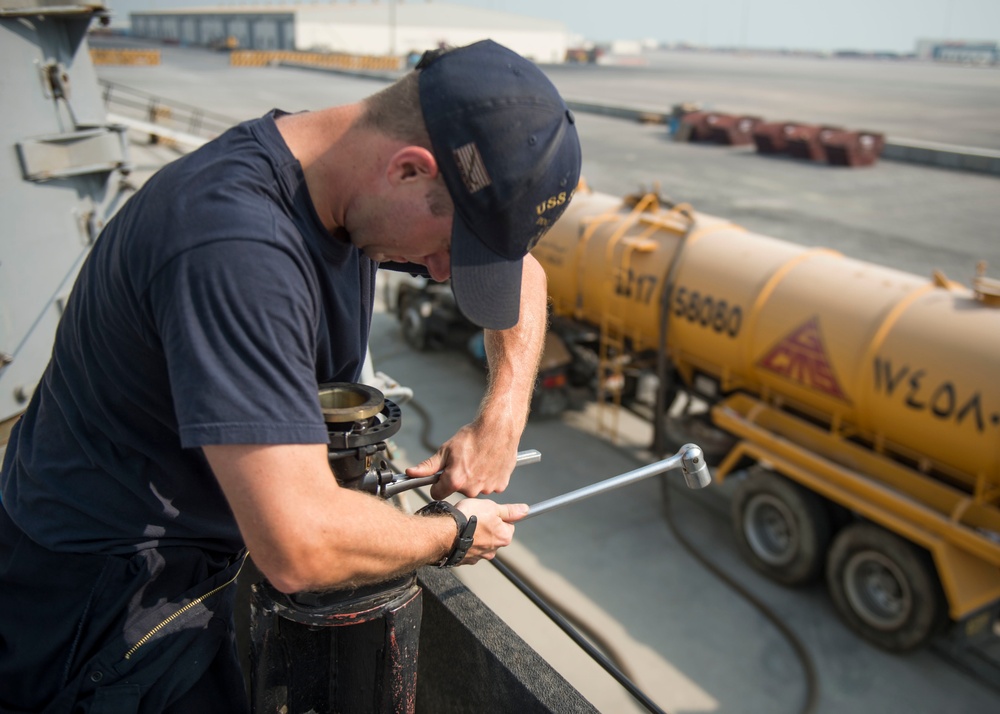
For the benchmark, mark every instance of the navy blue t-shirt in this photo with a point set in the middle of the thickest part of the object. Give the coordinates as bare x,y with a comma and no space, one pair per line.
208,311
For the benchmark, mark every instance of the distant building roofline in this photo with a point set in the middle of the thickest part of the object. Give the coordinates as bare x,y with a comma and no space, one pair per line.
443,14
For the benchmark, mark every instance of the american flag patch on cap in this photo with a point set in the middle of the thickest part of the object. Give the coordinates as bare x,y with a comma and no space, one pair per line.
470,165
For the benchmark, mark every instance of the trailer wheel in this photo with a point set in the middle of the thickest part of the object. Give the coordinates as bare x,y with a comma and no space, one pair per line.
782,528
885,588
414,322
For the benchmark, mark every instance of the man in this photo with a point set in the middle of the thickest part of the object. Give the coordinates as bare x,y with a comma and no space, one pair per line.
178,420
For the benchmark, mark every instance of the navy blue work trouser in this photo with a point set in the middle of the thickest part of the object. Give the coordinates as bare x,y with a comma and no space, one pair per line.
149,633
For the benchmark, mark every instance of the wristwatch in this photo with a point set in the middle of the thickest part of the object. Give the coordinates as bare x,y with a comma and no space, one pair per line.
466,529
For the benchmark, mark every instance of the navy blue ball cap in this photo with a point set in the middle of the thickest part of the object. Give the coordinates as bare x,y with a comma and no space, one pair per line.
508,150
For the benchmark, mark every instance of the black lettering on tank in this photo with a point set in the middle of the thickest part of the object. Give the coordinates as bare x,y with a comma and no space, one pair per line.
623,285
704,310
646,288
911,396
943,400
975,406
883,370
735,320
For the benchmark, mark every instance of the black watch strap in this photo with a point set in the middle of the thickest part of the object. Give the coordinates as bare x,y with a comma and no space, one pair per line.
466,530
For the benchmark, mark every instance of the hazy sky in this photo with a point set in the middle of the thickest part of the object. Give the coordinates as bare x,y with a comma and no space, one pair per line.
797,24
812,24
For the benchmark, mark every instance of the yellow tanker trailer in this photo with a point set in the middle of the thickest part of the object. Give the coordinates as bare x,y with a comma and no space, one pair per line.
859,404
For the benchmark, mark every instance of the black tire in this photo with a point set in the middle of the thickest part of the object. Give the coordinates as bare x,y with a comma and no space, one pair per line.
414,324
885,588
782,528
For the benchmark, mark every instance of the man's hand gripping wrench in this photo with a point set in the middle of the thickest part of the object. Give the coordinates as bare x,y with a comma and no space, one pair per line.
386,485
689,458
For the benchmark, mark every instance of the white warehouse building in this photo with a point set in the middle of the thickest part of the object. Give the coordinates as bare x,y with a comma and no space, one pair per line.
392,28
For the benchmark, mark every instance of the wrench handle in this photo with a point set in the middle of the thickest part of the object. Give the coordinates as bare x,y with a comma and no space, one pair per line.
530,456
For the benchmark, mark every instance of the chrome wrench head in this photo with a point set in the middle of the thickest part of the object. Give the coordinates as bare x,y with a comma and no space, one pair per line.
696,474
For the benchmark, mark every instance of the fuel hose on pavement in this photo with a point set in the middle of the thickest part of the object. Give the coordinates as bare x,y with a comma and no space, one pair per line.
609,659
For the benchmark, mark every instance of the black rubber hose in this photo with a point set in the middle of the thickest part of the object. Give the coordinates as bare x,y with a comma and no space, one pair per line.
582,625
563,623
809,669
581,641
609,660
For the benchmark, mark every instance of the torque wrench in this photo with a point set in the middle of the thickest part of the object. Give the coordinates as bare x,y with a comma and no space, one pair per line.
690,458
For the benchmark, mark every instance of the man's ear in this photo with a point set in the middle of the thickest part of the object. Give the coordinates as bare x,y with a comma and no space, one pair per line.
411,163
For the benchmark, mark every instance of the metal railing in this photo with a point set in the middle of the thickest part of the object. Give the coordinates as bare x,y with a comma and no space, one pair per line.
178,116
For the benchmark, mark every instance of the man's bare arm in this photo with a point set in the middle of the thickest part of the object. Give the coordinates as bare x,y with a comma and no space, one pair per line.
481,456
305,532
